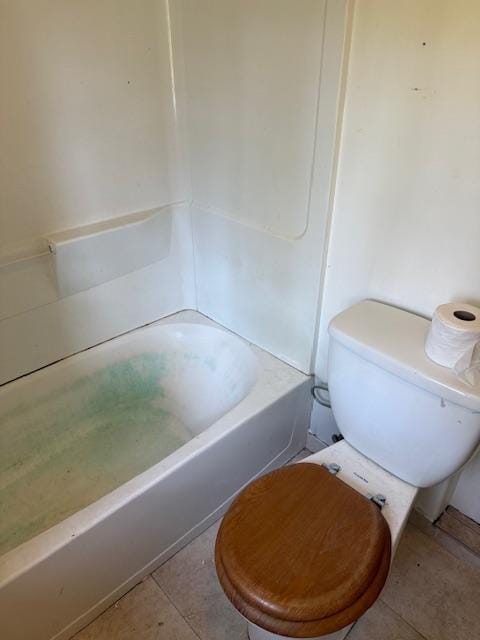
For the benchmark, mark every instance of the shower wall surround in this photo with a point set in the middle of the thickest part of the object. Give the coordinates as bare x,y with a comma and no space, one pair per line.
89,133
224,112
263,83
87,119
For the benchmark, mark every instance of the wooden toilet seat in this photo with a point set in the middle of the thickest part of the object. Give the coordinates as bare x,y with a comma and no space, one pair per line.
302,554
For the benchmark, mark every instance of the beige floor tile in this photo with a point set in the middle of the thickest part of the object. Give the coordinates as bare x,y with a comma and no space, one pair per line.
381,623
144,613
218,620
432,590
190,581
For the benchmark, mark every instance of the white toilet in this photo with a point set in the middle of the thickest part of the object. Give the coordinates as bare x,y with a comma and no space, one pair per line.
301,552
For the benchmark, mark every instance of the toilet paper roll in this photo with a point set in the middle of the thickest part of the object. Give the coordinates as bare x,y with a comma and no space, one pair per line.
453,335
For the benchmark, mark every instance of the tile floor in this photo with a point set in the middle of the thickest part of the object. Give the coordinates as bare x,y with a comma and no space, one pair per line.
432,593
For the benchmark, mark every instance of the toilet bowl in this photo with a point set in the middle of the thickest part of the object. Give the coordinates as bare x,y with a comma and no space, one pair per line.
337,519
305,550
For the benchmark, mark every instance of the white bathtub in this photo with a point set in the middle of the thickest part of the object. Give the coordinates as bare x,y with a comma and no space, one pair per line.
115,458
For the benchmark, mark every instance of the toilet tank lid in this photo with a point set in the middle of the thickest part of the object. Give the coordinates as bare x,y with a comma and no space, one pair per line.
394,340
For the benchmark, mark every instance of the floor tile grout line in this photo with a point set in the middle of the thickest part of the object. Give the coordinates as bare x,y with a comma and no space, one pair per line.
351,630
461,544
171,601
405,621
473,526
459,541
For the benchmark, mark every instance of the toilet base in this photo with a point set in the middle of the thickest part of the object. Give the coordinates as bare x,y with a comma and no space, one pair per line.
257,633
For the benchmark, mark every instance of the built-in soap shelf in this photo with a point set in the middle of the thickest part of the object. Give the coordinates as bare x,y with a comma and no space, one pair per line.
88,256
77,259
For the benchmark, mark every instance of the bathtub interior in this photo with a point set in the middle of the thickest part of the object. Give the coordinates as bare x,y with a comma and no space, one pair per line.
75,431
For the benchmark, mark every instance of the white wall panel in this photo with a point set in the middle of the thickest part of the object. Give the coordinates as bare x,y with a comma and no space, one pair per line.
258,285
87,118
262,89
252,73
467,494
406,218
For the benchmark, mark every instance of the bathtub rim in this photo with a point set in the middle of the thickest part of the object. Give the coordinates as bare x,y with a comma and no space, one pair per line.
108,345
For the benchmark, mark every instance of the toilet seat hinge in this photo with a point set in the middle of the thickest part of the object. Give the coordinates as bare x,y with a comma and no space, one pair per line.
332,468
379,499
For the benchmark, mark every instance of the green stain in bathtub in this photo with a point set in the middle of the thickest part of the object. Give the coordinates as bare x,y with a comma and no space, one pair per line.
71,447
211,363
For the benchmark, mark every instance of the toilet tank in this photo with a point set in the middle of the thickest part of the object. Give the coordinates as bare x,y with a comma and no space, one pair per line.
411,416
